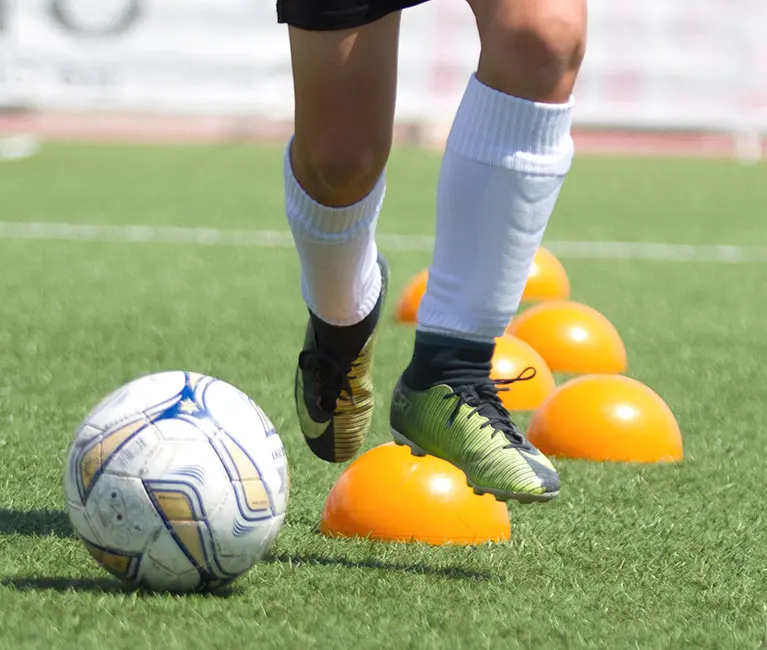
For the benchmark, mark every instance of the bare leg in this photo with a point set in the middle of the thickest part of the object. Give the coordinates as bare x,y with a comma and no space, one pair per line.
531,48
345,89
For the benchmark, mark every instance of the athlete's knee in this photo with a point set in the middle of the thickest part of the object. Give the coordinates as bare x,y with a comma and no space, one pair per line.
551,46
543,43
340,171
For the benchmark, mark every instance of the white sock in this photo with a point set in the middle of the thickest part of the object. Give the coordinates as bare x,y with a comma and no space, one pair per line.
340,278
504,164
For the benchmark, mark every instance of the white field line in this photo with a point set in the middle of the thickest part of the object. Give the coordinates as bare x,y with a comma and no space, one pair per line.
614,250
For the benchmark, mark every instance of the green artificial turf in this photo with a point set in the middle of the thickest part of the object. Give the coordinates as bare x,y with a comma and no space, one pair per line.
627,557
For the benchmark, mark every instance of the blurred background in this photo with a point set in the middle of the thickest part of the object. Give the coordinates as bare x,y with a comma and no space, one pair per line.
695,69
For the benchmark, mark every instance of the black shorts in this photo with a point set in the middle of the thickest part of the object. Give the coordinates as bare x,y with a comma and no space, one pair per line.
326,15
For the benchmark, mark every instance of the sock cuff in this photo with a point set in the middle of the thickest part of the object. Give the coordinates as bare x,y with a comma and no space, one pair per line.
439,325
324,224
501,130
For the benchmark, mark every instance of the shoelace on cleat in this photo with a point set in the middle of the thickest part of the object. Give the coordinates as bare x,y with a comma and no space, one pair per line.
332,377
484,400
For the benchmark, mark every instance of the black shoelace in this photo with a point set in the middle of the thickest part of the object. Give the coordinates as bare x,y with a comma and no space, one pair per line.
332,376
484,400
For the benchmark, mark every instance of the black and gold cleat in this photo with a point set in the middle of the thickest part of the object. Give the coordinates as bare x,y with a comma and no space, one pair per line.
334,382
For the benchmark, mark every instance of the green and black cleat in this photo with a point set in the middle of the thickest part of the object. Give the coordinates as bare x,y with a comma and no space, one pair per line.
469,427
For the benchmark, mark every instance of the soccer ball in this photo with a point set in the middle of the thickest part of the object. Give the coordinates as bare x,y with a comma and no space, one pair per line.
177,482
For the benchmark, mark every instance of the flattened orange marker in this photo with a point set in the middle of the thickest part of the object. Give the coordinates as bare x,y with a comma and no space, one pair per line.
571,337
410,300
547,279
389,494
512,356
606,418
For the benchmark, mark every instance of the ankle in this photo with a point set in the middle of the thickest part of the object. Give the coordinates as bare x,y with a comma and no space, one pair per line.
345,340
440,359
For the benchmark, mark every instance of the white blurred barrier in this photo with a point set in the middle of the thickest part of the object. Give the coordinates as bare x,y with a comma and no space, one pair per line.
669,64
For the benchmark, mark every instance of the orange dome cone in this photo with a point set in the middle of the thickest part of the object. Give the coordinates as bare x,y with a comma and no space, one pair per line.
571,337
606,418
389,494
410,300
547,279
511,358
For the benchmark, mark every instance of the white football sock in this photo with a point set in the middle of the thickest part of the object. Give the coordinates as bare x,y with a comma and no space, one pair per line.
504,164
340,278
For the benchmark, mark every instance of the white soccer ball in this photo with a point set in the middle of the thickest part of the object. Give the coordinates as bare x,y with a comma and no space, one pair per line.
177,482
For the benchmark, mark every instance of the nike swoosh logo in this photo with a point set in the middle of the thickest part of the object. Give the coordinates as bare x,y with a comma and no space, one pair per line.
309,427
546,474
533,460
